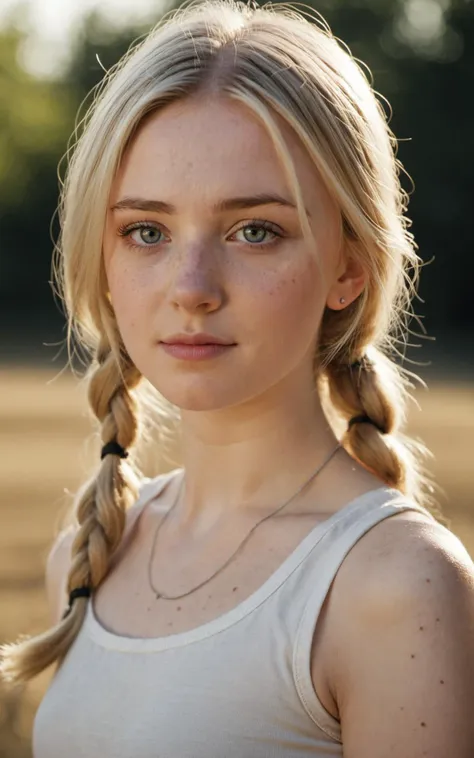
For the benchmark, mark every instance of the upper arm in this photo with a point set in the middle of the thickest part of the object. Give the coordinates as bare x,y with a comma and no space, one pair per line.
405,683
57,568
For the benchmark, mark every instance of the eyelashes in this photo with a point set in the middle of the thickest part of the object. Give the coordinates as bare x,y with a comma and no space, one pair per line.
141,226
126,231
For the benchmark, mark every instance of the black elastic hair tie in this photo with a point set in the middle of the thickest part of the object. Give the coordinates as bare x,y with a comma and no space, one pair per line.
363,363
113,448
78,592
365,420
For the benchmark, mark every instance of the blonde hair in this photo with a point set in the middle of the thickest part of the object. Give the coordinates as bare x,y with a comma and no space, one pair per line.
273,60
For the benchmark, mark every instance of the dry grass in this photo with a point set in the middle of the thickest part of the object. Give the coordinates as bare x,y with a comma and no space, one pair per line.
43,456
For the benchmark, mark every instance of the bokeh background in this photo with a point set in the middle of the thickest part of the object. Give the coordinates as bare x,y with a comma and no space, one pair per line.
52,52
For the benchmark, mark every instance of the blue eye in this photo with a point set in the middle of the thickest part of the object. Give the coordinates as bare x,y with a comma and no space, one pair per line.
258,231
148,234
262,228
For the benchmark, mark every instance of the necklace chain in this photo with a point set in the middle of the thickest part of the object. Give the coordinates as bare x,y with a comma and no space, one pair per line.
160,594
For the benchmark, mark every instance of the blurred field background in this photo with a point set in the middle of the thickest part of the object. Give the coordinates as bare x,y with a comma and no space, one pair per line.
52,52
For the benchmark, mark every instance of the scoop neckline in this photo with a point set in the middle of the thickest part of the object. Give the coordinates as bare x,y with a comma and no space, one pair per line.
105,638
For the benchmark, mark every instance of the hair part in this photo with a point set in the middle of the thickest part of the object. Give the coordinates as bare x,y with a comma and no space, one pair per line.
273,60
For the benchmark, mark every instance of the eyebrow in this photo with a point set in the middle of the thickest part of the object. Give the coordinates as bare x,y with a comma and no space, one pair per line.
233,203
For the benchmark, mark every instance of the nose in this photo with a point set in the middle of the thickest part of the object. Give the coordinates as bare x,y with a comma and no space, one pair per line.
196,281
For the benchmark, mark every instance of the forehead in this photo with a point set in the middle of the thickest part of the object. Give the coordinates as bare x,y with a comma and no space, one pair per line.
209,148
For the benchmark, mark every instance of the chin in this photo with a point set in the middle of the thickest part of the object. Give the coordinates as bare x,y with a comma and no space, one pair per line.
197,395
203,394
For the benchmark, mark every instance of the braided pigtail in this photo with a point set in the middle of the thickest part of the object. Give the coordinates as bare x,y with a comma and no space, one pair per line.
370,394
100,513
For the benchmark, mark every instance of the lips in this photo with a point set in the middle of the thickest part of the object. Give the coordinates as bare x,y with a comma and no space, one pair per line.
196,339
195,352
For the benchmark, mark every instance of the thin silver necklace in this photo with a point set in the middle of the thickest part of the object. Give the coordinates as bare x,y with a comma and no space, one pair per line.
161,595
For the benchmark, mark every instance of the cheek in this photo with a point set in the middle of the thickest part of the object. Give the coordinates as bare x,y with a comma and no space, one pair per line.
291,305
128,295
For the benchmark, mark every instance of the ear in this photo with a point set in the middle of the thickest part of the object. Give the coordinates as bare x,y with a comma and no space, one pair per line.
351,280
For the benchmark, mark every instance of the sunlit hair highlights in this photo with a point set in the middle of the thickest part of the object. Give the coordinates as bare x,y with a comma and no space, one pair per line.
273,59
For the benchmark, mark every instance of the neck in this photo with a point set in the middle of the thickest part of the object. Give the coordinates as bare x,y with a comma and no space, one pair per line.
248,460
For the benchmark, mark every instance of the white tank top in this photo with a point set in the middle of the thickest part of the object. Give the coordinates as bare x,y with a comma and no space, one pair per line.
237,686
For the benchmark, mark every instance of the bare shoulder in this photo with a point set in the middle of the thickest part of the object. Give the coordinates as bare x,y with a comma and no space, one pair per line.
399,558
402,671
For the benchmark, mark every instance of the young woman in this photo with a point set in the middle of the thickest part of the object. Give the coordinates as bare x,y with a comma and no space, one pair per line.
234,235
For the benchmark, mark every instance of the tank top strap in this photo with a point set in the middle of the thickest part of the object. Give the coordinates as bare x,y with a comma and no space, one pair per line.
150,488
332,546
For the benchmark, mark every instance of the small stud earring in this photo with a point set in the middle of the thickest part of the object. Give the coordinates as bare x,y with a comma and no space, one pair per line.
342,300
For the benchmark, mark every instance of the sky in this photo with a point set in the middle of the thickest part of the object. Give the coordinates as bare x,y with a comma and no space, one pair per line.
52,24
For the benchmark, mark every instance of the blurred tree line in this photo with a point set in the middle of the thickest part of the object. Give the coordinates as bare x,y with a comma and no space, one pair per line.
421,54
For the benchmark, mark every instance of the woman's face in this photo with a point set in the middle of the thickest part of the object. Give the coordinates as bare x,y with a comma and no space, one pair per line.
185,251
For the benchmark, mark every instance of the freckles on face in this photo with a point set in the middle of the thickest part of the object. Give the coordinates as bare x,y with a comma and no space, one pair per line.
288,304
201,273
